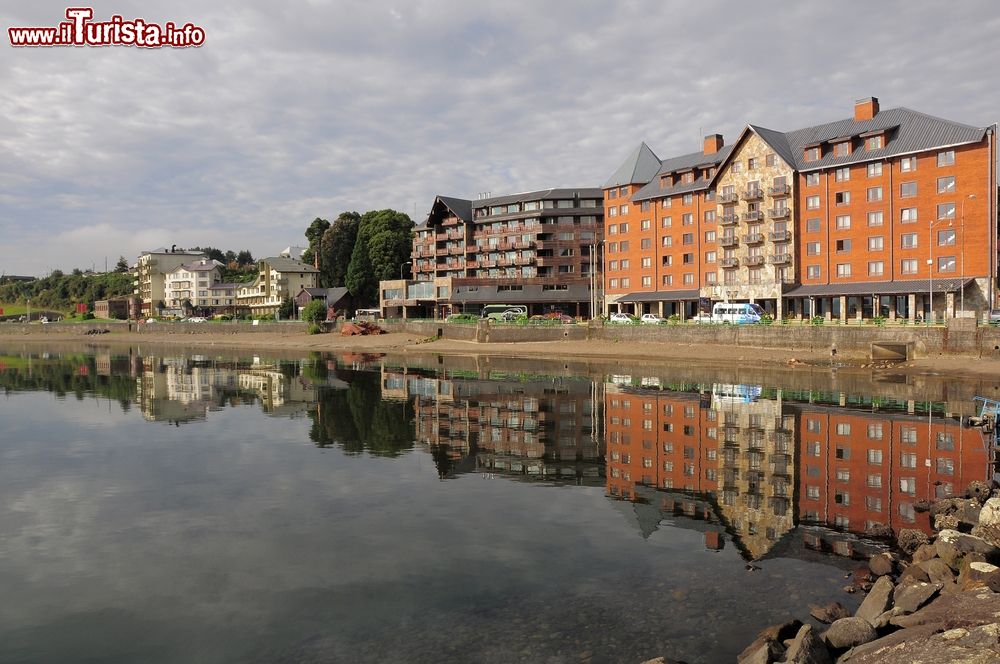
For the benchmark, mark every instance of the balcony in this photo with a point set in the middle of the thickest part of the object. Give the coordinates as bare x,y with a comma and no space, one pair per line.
456,251
753,194
779,190
455,234
753,238
728,198
729,219
754,260
779,236
779,213
780,259
729,262
753,215
443,251
728,241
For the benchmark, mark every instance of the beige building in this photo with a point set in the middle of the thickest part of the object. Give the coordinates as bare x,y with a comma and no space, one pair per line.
197,287
277,278
150,273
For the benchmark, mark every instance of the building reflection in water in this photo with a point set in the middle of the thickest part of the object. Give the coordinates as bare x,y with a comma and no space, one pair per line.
784,470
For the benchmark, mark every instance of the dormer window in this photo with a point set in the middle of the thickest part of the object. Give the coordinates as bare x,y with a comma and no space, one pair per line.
812,154
842,149
875,142
688,178
666,181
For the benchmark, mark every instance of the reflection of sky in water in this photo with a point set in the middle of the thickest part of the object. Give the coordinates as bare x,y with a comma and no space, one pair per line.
234,538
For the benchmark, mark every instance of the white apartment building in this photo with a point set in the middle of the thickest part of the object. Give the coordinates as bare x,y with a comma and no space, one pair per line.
150,275
278,277
197,287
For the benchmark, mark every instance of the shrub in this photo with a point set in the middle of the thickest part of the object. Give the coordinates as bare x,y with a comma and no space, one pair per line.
767,319
314,328
878,320
314,312
675,319
87,316
817,320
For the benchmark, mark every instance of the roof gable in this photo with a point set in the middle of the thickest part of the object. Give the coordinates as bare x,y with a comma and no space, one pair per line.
638,168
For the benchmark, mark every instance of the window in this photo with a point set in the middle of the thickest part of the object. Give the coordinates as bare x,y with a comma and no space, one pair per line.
843,475
769,159
710,278
875,456
946,211
613,283
812,202
841,498
843,246
908,215
908,485
874,194
737,167
908,435
874,503
612,211
668,280
647,281
812,179
647,262
842,175
644,206
688,199
667,241
843,222
875,142
644,225
946,158
946,185
946,264
752,163
687,238
709,216
842,149
625,264
814,426
613,265
813,272
812,248
666,202
623,209
908,460
875,169
687,219
946,466
907,189
688,278
812,225
709,236
814,449
622,245
688,259
710,256
908,266
812,154
876,268
876,243
908,240
842,198
646,243
612,247
946,238
623,228
843,269
875,218
626,282
667,222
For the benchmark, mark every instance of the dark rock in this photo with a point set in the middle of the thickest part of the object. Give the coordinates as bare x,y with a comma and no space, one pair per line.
878,600
921,506
882,621
914,574
879,530
885,649
952,545
909,539
782,631
827,614
909,598
881,564
924,552
945,506
992,581
974,574
937,571
849,632
978,490
807,648
762,651
958,610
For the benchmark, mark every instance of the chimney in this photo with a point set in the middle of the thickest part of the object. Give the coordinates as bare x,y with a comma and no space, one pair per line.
713,143
865,109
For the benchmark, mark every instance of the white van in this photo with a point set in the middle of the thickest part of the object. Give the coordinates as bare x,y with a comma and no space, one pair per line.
736,313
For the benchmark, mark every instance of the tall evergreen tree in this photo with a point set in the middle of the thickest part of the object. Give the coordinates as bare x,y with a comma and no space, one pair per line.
336,248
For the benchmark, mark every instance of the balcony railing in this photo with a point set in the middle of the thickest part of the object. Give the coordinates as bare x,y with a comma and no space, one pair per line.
780,190
779,213
779,236
753,194
728,198
753,238
728,219
754,260
780,259
753,215
728,241
729,262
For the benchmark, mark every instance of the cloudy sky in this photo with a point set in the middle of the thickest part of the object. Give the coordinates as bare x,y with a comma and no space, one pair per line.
293,110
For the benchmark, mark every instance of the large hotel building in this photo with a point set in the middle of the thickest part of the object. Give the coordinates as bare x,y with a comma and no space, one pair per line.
887,213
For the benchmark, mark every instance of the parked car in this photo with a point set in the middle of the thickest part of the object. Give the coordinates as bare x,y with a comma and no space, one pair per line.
197,319
651,319
619,317
702,318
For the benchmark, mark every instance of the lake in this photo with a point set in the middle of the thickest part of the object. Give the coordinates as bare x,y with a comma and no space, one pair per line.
166,505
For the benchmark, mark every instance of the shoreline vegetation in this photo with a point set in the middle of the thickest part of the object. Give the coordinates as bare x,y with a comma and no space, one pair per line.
655,352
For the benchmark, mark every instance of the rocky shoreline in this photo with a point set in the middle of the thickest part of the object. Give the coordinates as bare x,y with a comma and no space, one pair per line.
936,600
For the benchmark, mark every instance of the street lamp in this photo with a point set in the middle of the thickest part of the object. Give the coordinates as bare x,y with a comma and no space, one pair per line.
29,309
401,269
962,292
930,266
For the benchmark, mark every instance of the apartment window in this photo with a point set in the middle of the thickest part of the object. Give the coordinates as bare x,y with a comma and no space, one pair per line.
667,222
812,492
710,278
946,237
812,202
875,142
812,154
613,265
710,256
709,216
769,159
842,175
688,278
647,281
644,225
907,164
842,149
737,167
843,270
908,435
946,158
843,475
687,219
626,282
752,163
908,215
812,225
709,236
668,261
876,268
813,272
876,243
667,241
623,245
874,194
907,189
625,264
668,280
908,460
946,466
623,209
843,222
647,262
687,238
908,485
875,457
875,169
946,211
944,441
875,482
613,283
612,229
908,240
841,498
874,503
946,264
623,228
946,185
688,199
908,266
646,243
666,202
843,246
688,259
613,211
812,248
812,179
842,198
612,247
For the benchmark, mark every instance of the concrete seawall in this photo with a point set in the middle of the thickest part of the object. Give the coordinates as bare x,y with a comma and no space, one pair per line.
241,327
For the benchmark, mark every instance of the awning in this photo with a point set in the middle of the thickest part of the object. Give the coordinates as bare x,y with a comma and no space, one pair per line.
879,288
659,296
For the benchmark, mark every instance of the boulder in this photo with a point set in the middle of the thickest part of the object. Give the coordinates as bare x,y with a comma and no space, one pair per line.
909,539
990,533
914,574
909,598
807,648
878,600
990,514
974,574
849,632
768,644
882,621
924,552
952,545
937,571
881,564
946,522
978,490
827,614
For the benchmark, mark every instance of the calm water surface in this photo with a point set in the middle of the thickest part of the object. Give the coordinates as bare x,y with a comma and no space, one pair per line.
179,507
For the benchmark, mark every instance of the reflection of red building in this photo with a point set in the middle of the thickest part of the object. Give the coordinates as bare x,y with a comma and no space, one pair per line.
862,469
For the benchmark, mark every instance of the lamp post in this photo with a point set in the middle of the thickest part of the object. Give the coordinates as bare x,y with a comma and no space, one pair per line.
401,269
930,265
962,292
29,309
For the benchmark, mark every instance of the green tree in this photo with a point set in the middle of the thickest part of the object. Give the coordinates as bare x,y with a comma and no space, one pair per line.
383,244
314,312
244,258
314,234
287,308
122,265
336,248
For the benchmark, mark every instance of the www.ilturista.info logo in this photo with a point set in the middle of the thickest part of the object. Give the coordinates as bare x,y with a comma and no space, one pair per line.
79,30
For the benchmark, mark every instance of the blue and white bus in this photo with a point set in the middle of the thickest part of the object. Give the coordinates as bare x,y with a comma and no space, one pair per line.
736,313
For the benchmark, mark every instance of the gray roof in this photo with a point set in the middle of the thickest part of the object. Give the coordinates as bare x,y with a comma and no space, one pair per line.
660,296
284,264
331,295
638,168
878,287
682,163
460,207
541,195
198,266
